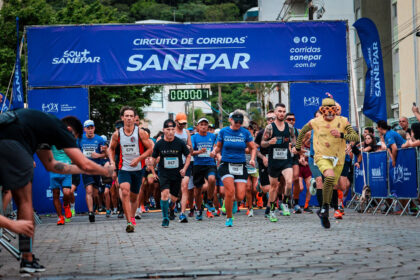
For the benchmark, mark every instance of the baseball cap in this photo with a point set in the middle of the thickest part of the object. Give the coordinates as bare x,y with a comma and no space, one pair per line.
88,123
181,118
168,123
203,120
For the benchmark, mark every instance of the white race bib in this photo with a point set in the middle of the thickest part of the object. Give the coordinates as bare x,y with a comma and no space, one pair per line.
129,150
279,153
251,170
171,162
236,169
334,160
88,152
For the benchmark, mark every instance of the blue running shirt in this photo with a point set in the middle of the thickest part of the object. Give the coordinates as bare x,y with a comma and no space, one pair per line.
234,144
199,142
89,145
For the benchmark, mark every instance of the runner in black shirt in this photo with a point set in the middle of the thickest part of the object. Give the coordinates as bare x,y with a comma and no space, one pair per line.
171,169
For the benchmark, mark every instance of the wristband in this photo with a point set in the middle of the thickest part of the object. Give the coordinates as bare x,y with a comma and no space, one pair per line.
342,135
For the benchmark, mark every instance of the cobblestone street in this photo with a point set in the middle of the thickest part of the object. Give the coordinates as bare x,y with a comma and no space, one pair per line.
361,246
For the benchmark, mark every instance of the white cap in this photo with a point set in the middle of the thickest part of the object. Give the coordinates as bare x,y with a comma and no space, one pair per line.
203,120
88,123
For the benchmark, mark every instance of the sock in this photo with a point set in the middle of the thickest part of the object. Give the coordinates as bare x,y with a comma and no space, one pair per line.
115,209
164,205
286,199
334,201
25,243
296,201
267,209
272,206
319,197
327,190
340,196
306,203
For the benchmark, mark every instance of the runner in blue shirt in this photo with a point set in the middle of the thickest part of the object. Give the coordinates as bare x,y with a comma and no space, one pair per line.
91,147
232,142
204,166
393,140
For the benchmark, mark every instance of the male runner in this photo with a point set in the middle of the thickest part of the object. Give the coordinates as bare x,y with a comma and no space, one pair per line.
204,166
91,145
184,135
171,168
277,136
135,147
329,141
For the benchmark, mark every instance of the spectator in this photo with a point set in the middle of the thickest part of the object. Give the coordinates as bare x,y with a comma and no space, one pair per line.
392,139
369,144
404,126
369,130
415,137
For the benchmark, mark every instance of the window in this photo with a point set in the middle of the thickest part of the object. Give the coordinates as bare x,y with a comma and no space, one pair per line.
360,85
394,10
157,100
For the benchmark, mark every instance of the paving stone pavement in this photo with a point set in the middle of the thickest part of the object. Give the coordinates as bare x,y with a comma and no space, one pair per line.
361,246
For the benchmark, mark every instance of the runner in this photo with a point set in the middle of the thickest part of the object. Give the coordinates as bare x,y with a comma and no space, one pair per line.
262,158
204,166
305,171
171,168
232,142
330,135
22,133
297,187
135,147
184,135
91,147
277,136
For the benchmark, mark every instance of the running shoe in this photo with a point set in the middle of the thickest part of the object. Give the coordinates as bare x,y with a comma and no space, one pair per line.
250,212
223,208
229,222
297,209
260,202
172,214
209,214
267,212
307,210
323,216
191,214
199,216
217,214
183,218
312,187
91,217
338,215
115,211
143,209
165,222
273,217
31,267
121,214
285,209
73,212
67,212
133,221
108,213
60,221
209,206
341,209
129,228
138,214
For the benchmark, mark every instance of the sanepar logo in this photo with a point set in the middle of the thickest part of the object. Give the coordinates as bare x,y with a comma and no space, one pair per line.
76,57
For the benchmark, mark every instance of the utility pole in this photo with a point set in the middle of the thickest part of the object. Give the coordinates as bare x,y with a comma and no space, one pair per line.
220,107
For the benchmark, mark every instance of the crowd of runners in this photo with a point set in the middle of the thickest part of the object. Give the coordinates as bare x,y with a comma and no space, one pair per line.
210,172
214,172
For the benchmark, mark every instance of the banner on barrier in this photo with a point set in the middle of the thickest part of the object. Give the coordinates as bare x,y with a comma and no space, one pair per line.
403,177
359,182
186,53
378,174
61,103
307,98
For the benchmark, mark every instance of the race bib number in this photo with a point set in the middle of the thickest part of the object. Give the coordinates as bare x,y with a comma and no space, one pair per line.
171,162
236,169
205,154
88,152
334,160
279,153
129,150
251,170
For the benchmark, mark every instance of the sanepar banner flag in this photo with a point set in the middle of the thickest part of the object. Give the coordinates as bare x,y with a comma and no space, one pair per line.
186,53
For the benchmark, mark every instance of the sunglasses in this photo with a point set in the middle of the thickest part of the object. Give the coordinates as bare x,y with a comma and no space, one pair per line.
238,121
290,119
270,119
